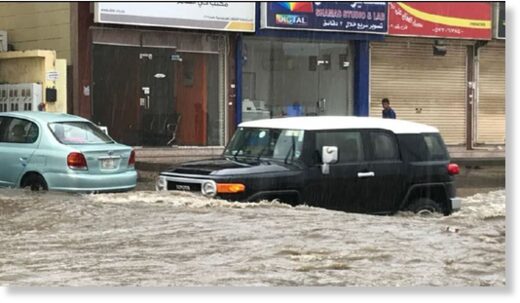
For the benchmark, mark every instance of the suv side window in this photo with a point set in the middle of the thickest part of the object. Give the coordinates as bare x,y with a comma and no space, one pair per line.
413,147
20,131
349,143
384,146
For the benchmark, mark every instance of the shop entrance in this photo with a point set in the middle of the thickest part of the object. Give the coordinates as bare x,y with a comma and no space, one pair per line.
332,79
296,78
156,96
156,99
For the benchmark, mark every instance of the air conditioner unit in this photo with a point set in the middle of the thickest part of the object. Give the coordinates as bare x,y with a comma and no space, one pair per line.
3,41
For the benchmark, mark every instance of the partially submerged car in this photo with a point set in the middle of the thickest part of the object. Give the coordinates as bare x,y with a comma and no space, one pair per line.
354,164
50,151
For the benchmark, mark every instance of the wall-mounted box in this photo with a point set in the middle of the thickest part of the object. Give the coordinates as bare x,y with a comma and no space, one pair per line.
4,97
20,97
3,41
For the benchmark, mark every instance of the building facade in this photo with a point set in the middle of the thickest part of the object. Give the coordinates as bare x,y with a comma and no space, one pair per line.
159,74
442,65
163,74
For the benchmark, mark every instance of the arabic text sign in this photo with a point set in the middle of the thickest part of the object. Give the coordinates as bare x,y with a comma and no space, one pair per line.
226,16
365,17
467,20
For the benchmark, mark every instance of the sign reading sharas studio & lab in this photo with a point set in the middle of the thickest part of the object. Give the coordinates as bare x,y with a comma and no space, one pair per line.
363,17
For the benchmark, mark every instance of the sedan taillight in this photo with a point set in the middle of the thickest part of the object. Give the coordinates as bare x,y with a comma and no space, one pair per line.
131,160
76,161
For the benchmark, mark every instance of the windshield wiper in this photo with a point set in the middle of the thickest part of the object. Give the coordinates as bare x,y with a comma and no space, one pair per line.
235,154
292,151
261,153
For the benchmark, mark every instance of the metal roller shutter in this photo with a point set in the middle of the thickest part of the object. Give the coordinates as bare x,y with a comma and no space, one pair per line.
421,87
491,111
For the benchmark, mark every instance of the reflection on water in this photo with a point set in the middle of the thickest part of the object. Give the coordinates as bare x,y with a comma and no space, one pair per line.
179,239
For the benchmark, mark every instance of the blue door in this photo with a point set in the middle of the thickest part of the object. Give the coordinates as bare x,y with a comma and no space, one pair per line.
18,141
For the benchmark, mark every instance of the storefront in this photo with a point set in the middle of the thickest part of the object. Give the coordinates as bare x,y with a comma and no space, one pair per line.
307,58
421,87
161,87
491,107
428,69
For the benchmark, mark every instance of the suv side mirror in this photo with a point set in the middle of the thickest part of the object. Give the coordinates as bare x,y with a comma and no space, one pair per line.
329,155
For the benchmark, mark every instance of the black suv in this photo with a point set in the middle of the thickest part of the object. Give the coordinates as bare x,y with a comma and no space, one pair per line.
354,164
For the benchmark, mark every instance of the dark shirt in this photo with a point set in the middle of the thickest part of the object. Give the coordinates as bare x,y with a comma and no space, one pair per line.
389,113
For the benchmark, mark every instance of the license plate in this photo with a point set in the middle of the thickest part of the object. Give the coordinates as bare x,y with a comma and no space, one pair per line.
182,187
108,164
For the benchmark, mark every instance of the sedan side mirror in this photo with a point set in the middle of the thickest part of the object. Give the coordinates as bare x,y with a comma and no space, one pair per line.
329,155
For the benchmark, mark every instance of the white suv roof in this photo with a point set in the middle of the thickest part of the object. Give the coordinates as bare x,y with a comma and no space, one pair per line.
342,122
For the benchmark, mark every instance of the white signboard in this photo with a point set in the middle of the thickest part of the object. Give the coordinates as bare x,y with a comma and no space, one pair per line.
53,75
222,16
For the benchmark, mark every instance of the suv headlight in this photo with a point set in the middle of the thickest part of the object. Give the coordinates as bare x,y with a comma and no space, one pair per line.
209,188
161,184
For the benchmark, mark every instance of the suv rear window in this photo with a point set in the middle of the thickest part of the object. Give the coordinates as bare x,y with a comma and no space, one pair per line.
436,148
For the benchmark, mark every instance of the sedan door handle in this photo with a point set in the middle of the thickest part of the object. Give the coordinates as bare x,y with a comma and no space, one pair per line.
23,161
366,174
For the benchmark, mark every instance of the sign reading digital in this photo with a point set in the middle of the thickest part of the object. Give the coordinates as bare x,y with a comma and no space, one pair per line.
295,20
364,17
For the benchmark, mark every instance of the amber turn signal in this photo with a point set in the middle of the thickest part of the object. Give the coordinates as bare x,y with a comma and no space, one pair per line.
230,188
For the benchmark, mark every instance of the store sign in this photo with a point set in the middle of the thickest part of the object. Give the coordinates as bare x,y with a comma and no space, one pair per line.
465,20
501,21
362,17
223,16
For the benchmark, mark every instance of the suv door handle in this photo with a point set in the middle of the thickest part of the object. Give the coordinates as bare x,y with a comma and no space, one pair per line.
366,174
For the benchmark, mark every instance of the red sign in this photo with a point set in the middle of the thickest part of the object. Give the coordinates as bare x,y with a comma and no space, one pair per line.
466,20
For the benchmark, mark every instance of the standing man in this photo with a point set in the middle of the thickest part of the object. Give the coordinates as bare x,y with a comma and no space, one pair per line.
388,112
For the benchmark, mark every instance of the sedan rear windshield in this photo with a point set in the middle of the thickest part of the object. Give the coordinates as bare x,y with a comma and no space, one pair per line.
78,133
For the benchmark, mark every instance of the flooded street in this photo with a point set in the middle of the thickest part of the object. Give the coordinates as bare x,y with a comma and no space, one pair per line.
146,238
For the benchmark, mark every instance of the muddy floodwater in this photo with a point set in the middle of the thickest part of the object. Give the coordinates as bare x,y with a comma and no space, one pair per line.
180,239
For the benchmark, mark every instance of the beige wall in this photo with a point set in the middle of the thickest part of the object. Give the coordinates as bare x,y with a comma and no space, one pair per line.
33,67
33,25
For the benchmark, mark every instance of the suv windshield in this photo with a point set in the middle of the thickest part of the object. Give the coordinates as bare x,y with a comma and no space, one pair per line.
279,144
78,133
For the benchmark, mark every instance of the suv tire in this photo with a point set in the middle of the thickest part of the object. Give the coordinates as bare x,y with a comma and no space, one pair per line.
424,206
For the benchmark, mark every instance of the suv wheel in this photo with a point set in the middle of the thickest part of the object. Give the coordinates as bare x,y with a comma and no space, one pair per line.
35,182
424,206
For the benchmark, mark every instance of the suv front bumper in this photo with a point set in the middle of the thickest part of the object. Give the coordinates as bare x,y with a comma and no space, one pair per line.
455,203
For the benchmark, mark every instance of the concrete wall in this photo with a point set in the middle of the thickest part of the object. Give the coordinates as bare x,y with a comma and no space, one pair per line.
38,25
